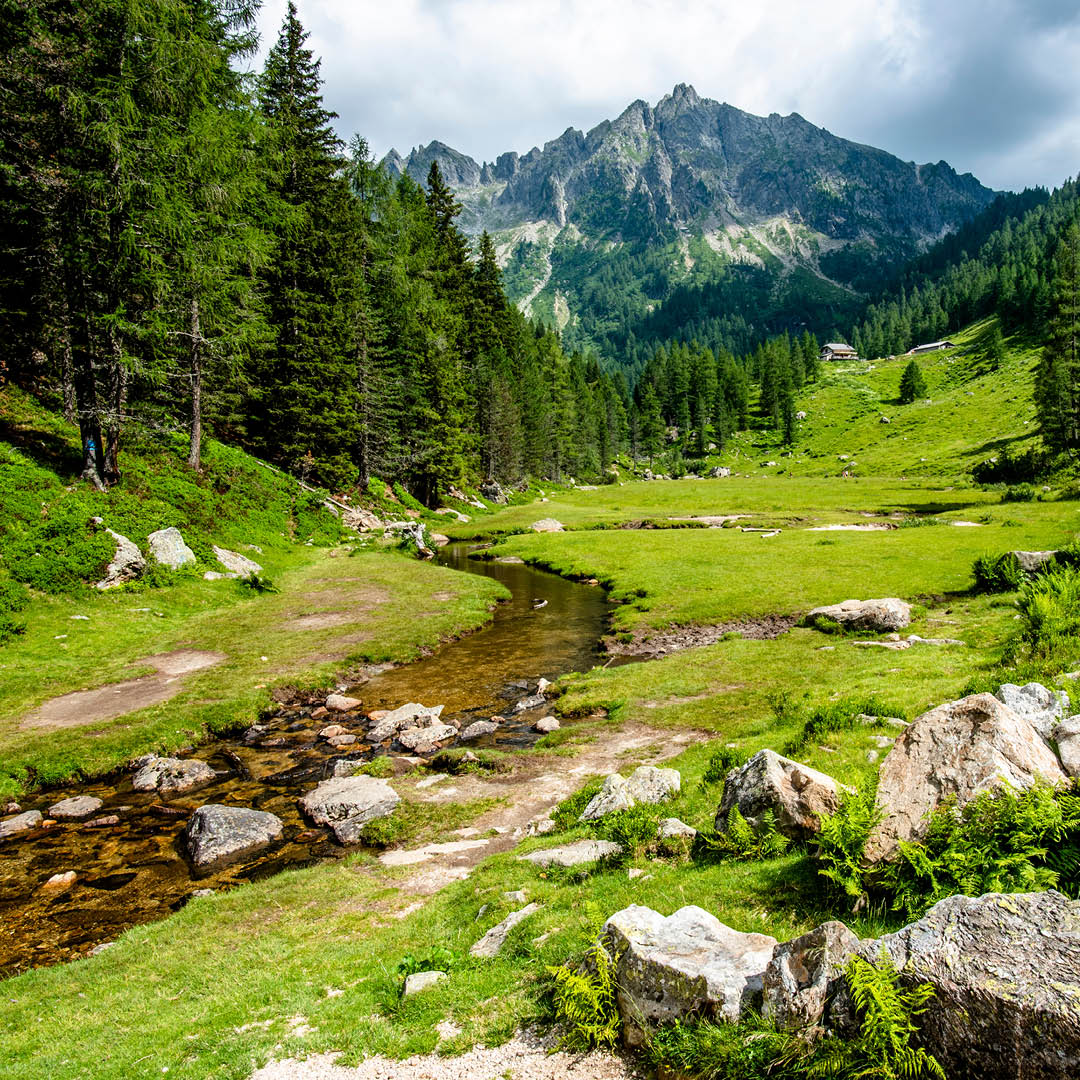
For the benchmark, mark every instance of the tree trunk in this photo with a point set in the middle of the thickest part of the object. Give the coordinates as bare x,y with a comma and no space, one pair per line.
86,404
195,447
67,368
118,386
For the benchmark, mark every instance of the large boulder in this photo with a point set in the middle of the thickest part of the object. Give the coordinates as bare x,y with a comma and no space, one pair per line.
492,491
1042,707
218,835
804,974
1006,974
168,548
955,751
403,718
646,784
797,795
348,803
1067,736
1034,562
686,964
126,564
879,616
173,776
235,563
545,525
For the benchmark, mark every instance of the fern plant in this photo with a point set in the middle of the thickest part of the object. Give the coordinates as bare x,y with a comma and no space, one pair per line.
742,841
584,1001
841,841
882,1050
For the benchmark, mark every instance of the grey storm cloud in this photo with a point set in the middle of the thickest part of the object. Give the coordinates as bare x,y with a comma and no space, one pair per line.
988,85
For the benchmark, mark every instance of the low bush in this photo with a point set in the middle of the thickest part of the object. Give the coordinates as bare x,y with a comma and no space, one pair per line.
380,767
1019,493
634,829
13,598
997,573
742,841
584,1002
436,959
566,814
721,762
1049,610
843,715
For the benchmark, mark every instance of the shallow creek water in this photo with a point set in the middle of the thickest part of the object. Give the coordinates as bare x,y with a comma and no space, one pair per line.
136,871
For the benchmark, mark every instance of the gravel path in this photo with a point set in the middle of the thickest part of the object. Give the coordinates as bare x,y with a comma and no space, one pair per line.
527,1056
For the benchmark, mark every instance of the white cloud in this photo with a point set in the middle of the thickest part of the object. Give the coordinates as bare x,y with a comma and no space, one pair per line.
988,85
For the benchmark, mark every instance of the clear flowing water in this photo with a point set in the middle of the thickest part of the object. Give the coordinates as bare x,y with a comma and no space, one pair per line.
135,871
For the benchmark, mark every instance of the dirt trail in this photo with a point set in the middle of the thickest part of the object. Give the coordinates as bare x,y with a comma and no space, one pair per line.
108,702
531,792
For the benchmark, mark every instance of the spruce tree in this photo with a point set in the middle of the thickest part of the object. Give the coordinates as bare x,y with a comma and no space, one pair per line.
912,384
1057,379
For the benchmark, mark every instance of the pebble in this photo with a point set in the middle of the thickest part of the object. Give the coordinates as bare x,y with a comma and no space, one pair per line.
61,881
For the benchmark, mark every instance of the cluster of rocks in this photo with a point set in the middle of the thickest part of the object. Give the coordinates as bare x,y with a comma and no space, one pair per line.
1005,970
167,548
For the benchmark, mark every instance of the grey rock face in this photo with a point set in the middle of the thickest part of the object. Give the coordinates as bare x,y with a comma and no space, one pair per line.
348,803
492,491
614,795
959,749
480,727
575,854
796,794
490,944
1006,971
168,548
172,776
425,740
1042,707
79,806
804,974
877,615
687,963
29,819
646,784
126,565
236,564
1033,562
422,980
1067,737
404,717
217,835
671,828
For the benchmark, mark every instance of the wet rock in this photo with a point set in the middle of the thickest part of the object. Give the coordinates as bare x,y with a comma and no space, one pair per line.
876,615
1067,737
341,703
490,944
530,702
796,794
424,740
542,686
955,751
332,730
172,776
168,548
234,563
575,854
103,822
338,741
217,835
481,727
422,980
687,964
804,975
320,712
671,828
79,806
402,718
29,819
1006,975
546,525
126,565
58,882
347,804
546,725
1042,707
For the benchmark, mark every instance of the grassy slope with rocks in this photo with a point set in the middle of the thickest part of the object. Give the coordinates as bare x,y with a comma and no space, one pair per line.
238,978
371,598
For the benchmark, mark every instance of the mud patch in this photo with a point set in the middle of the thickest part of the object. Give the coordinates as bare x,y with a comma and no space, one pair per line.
661,642
116,699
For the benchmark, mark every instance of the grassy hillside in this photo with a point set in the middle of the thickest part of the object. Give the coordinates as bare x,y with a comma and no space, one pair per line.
71,637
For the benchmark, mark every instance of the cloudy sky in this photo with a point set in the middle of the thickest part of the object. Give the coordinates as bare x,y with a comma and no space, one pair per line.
991,86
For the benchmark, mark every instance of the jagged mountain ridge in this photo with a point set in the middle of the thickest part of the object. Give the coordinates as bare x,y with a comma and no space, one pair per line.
775,193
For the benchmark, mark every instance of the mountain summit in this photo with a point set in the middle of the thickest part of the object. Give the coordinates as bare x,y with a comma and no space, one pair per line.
772,192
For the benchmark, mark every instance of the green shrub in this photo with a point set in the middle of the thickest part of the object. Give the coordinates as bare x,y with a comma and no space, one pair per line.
406,499
996,574
842,715
566,814
436,959
1019,493
61,553
721,762
839,844
380,767
383,831
1049,609
634,829
257,583
742,841
751,1050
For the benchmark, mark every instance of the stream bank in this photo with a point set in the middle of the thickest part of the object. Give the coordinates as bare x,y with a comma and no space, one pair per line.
134,869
